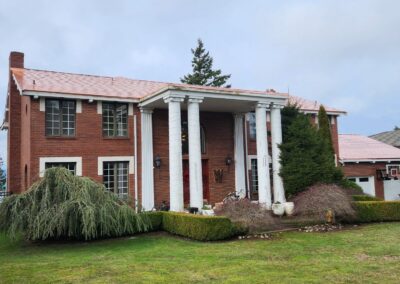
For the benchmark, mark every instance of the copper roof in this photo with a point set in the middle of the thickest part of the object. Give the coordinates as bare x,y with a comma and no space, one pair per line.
113,87
312,106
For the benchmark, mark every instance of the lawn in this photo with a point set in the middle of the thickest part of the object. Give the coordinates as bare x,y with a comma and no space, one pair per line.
370,253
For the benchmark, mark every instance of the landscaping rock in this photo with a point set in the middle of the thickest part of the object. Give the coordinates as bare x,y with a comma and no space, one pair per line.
321,228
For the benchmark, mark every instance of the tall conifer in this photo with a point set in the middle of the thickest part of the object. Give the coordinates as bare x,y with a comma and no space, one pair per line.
203,73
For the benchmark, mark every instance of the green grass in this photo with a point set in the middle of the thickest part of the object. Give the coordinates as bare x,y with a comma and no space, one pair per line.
370,253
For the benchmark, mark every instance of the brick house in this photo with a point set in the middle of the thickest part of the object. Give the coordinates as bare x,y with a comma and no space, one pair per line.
373,165
150,141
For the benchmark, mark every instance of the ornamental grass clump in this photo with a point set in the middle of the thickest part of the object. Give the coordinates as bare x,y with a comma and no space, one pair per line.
64,206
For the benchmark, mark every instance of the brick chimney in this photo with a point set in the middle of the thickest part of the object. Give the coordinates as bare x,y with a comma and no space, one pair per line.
14,170
16,59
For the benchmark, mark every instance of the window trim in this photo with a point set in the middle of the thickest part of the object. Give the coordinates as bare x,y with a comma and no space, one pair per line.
115,119
116,175
44,160
129,159
60,101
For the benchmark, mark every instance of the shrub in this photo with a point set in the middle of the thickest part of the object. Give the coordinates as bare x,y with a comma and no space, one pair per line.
365,197
156,218
198,227
247,215
316,200
377,211
64,206
351,187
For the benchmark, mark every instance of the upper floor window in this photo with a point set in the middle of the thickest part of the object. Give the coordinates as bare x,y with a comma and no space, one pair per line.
185,139
60,117
251,116
115,119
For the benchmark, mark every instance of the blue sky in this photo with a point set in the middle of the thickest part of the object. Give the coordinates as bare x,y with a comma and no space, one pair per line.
345,54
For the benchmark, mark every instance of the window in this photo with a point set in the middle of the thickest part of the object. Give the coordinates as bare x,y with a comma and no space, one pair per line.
115,120
115,177
254,176
185,139
60,117
69,166
352,179
252,125
365,179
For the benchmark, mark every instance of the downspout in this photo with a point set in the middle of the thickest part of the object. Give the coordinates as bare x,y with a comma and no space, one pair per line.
246,158
135,160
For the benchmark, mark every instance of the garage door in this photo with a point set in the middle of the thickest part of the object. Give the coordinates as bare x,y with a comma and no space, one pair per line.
391,189
366,183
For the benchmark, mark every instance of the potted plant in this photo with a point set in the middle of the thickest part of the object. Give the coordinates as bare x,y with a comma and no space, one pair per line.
207,210
289,207
278,208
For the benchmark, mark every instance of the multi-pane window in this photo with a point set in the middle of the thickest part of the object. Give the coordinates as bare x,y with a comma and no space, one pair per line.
252,125
115,177
115,120
60,117
185,138
69,166
254,176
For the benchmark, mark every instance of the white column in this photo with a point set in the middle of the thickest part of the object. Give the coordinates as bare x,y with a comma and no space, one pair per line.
276,136
175,152
147,159
195,169
240,179
264,187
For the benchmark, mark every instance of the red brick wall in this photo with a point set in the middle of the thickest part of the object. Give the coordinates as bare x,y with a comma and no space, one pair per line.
88,142
365,170
219,144
14,130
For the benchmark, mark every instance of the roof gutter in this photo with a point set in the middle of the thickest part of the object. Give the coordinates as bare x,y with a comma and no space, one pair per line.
37,94
373,161
278,98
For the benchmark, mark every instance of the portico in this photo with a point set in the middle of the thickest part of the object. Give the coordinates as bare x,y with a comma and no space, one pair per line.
193,106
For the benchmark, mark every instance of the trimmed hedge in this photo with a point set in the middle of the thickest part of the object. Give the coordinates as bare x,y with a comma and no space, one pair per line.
156,220
364,197
198,227
377,211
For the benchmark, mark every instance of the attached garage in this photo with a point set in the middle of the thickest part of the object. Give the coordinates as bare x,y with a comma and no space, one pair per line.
366,183
373,165
392,189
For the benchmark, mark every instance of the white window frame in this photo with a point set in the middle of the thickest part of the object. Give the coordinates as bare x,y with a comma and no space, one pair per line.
44,160
250,157
129,159
100,108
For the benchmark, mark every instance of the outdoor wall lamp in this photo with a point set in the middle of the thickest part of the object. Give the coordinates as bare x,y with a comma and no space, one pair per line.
157,162
228,160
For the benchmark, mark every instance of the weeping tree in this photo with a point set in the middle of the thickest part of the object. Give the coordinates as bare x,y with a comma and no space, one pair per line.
64,206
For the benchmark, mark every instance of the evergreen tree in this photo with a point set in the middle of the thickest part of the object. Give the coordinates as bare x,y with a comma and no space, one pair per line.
306,157
203,73
288,114
324,129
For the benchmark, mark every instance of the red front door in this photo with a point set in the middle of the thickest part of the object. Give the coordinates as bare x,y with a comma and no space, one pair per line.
186,181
